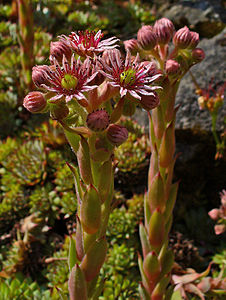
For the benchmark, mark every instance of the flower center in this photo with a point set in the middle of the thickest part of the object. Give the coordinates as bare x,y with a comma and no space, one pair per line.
128,77
69,82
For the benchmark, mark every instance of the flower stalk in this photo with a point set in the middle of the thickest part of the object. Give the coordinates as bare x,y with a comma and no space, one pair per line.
26,40
159,200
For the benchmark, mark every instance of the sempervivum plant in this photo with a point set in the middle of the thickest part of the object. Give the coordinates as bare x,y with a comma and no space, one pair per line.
84,74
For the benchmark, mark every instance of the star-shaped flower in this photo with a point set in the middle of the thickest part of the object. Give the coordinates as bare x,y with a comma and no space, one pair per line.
89,43
69,80
131,77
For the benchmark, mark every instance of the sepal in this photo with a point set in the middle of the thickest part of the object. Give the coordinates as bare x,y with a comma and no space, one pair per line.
105,179
83,157
156,229
72,257
77,284
146,247
91,210
94,259
156,195
167,147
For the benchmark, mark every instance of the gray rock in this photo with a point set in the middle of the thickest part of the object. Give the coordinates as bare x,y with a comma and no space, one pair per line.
189,115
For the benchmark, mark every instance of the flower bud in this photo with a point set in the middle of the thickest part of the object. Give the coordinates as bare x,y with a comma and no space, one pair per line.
59,111
117,134
39,74
147,37
172,67
58,49
194,40
98,120
149,102
182,38
214,214
219,229
164,30
35,102
132,46
202,102
197,55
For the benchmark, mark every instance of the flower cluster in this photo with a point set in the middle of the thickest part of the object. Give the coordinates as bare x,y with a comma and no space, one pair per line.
153,41
86,71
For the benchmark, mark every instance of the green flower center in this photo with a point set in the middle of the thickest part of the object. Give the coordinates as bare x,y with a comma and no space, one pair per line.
69,82
128,77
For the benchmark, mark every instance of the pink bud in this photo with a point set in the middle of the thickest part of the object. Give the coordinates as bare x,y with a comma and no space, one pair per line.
194,40
149,102
182,38
132,46
164,30
214,214
219,229
172,67
168,25
146,37
198,55
35,102
117,134
223,197
39,74
98,120
58,49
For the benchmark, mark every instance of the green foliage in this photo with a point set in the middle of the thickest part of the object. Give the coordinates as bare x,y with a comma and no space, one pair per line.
57,269
20,288
121,274
220,260
122,227
27,164
132,155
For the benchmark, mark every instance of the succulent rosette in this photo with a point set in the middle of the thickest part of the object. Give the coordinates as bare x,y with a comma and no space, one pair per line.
131,77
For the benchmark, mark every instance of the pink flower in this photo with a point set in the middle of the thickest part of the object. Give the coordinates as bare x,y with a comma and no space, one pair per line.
69,81
214,214
130,77
39,74
219,229
88,43
131,46
58,49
